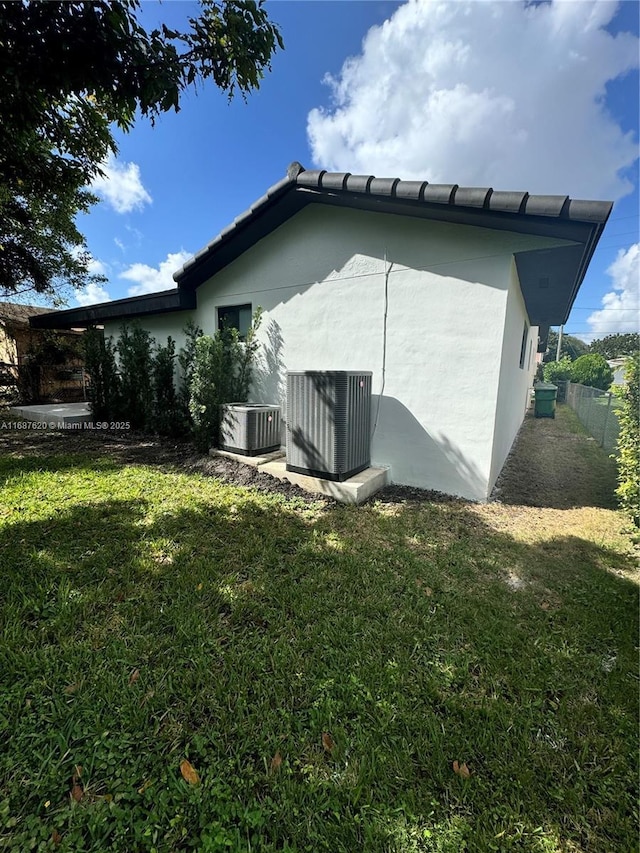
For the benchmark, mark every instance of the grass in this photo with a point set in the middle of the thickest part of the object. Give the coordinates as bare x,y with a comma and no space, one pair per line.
320,667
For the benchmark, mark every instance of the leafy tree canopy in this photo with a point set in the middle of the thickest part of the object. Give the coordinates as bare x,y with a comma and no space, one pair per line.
571,347
592,370
555,371
69,71
617,346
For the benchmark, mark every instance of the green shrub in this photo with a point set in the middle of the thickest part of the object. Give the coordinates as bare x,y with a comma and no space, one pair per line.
221,373
135,359
629,441
592,370
557,371
203,399
100,362
168,417
186,359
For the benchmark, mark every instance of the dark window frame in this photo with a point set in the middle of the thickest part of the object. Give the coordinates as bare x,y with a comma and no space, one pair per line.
233,311
523,345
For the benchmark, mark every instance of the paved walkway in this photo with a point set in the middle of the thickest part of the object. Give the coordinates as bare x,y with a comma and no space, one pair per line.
555,463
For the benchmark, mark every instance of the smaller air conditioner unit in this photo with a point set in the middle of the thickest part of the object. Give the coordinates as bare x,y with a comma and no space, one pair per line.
250,428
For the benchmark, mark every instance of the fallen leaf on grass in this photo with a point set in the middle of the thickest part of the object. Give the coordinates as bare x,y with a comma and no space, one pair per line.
189,772
461,770
327,742
77,792
276,761
71,688
56,837
135,675
145,786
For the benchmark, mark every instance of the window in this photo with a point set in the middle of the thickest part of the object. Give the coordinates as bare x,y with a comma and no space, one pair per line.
523,345
235,317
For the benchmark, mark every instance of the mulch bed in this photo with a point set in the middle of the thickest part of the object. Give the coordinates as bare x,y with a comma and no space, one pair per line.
546,466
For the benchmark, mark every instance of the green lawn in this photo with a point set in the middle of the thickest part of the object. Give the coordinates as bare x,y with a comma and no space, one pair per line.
320,667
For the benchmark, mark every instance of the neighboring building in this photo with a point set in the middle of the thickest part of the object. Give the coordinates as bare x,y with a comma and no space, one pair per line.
16,335
617,365
446,293
20,342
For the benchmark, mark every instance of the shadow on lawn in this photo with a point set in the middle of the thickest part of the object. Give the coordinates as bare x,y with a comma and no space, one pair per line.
417,638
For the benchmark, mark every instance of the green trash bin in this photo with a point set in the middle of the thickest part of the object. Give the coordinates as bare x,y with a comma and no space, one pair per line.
545,404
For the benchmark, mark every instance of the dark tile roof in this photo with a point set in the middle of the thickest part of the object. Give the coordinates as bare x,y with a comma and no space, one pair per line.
471,205
579,222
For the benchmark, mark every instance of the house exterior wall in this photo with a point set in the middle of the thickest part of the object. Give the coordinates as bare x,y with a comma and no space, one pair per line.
321,280
423,305
515,381
160,327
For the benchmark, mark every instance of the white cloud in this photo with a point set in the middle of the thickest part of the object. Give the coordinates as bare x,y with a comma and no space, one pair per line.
121,186
97,267
150,279
621,306
483,94
92,294
120,244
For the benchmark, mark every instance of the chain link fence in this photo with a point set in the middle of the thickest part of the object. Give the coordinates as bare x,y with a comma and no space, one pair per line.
597,411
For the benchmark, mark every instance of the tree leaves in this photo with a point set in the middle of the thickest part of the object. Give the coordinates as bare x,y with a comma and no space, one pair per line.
56,114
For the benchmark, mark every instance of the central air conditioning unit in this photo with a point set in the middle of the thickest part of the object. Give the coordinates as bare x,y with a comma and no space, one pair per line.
328,422
250,428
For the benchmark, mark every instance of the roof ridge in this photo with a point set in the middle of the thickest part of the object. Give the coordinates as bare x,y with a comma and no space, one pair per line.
513,203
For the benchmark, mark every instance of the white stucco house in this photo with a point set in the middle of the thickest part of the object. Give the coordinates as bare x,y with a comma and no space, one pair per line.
445,293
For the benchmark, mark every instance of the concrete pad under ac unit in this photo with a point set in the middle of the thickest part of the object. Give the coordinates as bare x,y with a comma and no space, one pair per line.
355,490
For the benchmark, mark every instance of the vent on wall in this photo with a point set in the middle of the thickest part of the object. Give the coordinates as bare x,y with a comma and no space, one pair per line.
250,428
328,422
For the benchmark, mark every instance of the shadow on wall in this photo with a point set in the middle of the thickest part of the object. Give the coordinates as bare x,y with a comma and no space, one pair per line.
417,458
269,374
400,442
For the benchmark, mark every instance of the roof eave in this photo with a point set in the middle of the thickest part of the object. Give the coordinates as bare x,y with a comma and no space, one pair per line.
120,309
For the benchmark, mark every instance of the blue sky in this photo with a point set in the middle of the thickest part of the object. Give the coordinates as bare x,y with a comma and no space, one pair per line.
540,97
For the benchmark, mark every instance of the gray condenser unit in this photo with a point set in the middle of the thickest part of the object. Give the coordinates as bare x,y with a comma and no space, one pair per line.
250,428
328,422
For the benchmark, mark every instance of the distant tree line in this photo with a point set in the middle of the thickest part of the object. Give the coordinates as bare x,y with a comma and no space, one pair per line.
584,363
